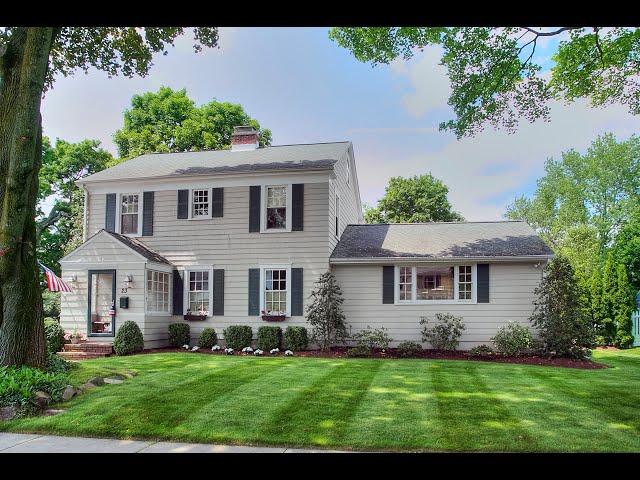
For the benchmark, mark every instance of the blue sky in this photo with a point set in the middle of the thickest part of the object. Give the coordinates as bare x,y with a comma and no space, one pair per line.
306,89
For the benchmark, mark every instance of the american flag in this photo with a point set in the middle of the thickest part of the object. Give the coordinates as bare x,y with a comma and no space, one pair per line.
54,282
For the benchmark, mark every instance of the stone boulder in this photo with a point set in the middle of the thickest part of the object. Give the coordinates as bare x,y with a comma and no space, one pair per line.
69,393
8,413
97,381
41,399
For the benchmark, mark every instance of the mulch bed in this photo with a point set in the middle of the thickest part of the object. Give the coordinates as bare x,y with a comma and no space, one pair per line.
341,352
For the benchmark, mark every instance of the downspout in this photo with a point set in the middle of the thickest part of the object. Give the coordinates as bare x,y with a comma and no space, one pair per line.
85,219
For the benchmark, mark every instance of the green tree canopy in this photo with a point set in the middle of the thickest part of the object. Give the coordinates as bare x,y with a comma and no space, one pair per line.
493,71
626,248
599,188
169,121
421,198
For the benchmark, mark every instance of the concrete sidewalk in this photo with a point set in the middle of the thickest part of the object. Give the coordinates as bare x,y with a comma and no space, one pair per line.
28,443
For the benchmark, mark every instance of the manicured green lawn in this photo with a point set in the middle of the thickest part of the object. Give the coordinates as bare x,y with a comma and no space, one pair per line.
359,404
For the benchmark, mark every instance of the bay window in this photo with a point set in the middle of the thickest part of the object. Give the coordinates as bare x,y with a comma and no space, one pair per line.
158,291
436,284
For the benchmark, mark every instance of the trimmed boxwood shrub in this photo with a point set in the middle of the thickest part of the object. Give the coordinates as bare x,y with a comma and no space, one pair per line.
128,339
208,338
238,336
179,334
408,349
296,338
269,338
54,335
481,351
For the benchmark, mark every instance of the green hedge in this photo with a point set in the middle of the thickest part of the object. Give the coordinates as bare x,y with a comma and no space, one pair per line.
208,338
296,338
269,338
128,339
179,334
54,335
238,336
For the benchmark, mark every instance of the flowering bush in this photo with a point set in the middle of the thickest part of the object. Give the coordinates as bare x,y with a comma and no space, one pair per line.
512,339
186,346
481,351
258,352
288,353
445,334
195,348
228,351
215,348
274,351
408,349
247,350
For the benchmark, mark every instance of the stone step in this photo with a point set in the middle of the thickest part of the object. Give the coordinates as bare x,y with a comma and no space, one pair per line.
88,347
81,355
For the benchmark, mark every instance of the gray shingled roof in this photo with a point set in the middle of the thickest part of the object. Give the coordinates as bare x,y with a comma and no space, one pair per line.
283,157
440,240
139,247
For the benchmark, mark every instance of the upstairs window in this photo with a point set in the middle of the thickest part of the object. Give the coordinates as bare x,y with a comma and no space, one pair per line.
337,215
129,214
200,204
276,207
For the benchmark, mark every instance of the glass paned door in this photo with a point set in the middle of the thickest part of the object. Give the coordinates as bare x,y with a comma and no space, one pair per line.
102,298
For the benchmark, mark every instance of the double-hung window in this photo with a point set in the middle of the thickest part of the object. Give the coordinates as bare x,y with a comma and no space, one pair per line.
276,207
198,291
158,284
129,214
275,294
200,204
436,284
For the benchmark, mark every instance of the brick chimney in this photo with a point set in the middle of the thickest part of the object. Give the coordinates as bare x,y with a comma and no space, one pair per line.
244,138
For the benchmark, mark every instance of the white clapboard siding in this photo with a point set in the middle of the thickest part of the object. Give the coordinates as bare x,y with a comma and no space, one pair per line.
511,296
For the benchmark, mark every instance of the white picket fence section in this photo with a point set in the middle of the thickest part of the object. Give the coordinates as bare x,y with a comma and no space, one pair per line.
635,328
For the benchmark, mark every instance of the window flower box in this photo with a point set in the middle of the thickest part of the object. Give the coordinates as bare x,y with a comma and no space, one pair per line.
200,316
273,316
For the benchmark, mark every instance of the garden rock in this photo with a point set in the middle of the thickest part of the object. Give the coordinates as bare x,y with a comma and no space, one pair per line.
113,381
41,399
49,412
96,381
8,413
86,386
69,393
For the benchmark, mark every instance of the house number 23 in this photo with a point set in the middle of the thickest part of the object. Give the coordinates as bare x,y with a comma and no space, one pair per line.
123,290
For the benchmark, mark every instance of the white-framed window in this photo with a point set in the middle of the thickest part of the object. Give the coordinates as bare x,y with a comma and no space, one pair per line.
337,219
130,218
275,293
465,282
198,290
200,203
158,293
276,208
435,284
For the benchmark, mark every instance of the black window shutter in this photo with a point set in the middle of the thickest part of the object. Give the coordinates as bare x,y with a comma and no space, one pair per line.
218,291
147,214
183,203
254,291
110,213
178,293
388,274
483,282
297,207
296,292
254,209
217,196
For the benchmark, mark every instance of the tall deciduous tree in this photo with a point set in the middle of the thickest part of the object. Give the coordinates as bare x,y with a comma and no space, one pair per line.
421,198
494,74
30,58
626,247
599,188
169,121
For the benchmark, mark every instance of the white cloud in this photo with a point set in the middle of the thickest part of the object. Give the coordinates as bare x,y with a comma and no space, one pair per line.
428,79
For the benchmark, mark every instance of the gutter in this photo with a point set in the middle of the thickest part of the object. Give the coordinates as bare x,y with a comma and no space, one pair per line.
387,260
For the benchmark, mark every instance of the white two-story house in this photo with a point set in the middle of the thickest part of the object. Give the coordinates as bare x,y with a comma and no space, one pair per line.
219,238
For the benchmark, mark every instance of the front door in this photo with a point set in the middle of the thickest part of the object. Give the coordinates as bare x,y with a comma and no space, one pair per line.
101,301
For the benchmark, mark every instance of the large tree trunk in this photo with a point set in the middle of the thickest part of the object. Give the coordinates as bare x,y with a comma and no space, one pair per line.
23,67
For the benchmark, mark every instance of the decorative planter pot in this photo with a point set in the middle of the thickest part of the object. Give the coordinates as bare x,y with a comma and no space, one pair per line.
75,340
195,317
273,318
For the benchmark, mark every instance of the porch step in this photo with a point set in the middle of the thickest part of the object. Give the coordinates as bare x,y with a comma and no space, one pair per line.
81,355
88,347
